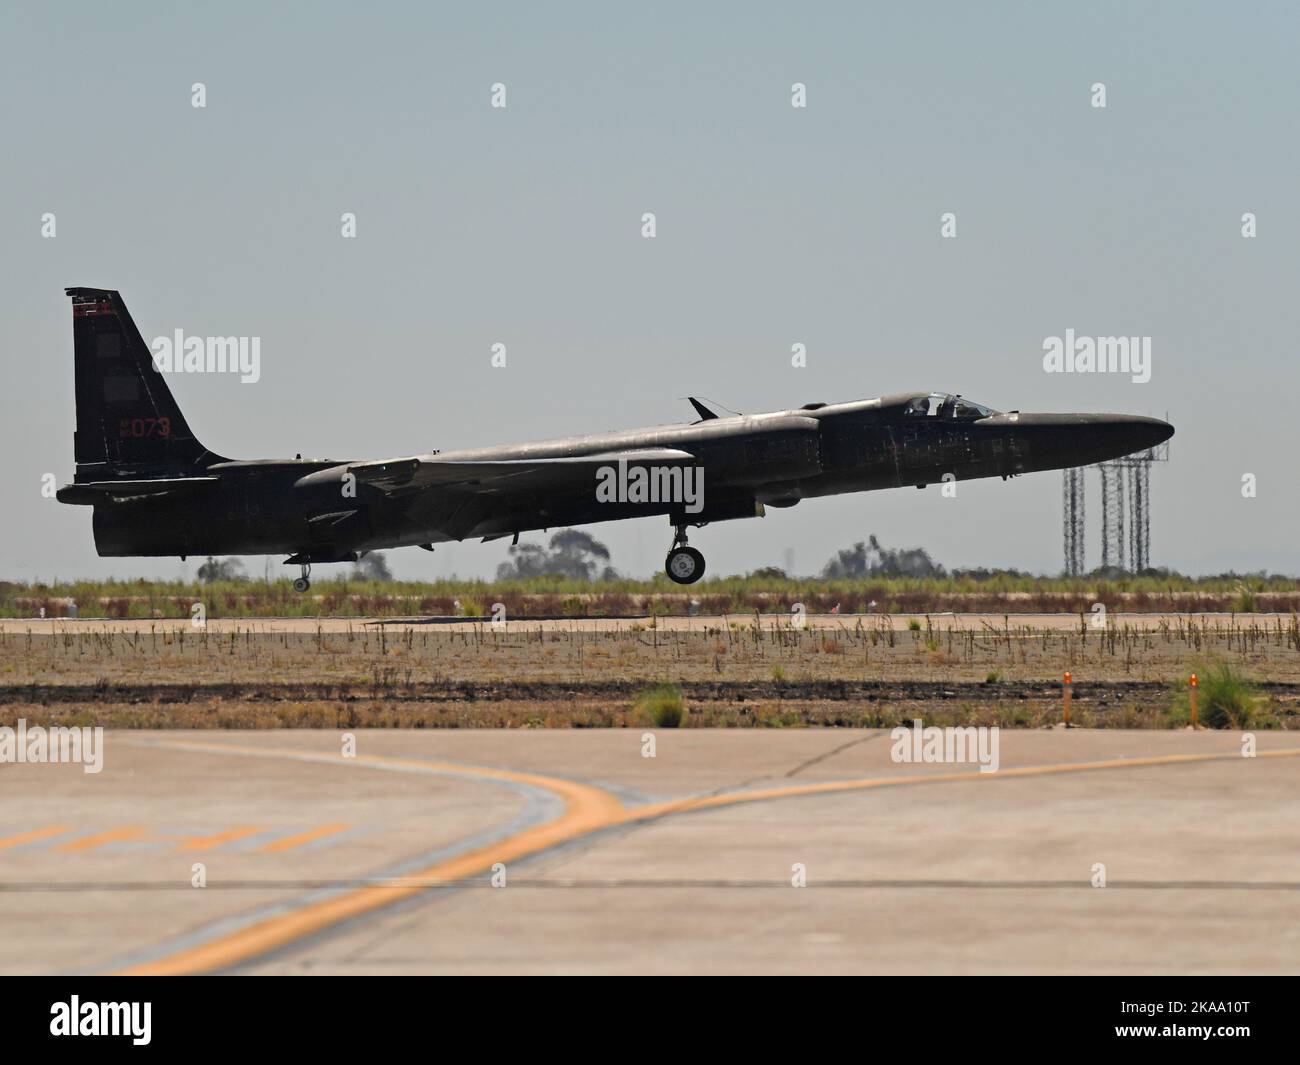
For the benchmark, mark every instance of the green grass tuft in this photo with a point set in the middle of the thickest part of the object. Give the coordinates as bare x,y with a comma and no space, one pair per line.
662,703
1226,699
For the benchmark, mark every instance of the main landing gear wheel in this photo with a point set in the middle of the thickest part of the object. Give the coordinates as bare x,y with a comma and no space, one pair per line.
302,583
684,565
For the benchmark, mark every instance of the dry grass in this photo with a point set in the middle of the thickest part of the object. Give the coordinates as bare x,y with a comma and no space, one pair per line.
992,592
737,674
739,650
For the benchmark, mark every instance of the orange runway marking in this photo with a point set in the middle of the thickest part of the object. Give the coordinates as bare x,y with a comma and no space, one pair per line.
31,837
119,835
203,843
289,842
587,809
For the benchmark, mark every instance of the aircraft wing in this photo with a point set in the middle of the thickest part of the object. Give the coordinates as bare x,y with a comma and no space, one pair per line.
399,476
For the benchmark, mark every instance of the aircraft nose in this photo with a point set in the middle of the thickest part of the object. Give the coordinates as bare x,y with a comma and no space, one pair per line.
1082,439
1144,433
1124,434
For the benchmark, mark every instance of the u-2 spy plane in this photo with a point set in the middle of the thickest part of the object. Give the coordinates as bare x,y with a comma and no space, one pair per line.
156,490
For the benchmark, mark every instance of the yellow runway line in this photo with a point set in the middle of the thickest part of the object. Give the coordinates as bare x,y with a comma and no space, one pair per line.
31,837
587,809
679,806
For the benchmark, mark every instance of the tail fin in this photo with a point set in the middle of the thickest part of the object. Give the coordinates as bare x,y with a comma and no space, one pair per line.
128,424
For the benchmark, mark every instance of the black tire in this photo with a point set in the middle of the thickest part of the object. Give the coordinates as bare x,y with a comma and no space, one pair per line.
684,565
301,584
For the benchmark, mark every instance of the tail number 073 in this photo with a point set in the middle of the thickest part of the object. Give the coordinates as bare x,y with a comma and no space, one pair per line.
135,428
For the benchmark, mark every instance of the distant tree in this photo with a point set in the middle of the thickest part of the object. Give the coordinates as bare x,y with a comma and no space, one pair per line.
571,553
775,573
372,567
526,560
577,554
871,560
224,569
847,563
984,573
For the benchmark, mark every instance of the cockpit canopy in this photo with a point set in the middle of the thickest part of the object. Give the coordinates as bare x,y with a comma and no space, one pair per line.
946,405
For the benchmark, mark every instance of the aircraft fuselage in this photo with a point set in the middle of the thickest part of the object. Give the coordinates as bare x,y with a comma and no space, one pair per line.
156,490
774,459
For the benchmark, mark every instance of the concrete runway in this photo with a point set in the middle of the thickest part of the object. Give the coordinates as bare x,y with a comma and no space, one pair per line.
681,863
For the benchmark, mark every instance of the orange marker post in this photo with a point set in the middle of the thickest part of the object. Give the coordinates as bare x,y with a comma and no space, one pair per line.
1068,682
1193,696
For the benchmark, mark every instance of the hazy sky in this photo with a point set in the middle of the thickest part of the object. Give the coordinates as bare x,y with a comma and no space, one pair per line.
775,225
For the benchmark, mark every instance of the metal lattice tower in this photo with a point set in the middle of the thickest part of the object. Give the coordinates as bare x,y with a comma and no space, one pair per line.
1072,503
1125,512
1112,515
1139,539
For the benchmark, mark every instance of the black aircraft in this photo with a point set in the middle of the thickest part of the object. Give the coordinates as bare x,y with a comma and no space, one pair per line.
157,491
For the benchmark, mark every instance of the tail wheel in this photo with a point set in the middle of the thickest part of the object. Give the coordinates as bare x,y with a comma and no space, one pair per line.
684,565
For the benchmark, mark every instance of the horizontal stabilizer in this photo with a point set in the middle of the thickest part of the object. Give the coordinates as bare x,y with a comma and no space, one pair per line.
109,491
